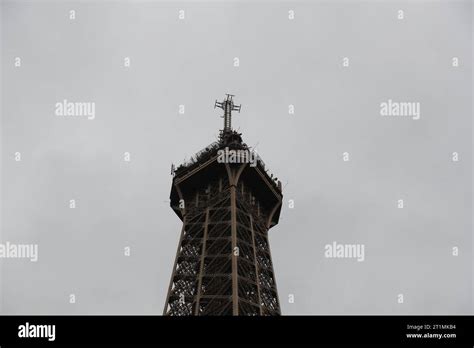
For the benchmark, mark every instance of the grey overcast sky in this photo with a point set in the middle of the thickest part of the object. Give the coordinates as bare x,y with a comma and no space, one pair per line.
283,62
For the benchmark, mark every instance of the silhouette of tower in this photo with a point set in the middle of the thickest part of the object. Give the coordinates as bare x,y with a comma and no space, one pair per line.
227,203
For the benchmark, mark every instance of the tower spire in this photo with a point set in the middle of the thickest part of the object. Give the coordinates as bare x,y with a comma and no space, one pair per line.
223,264
228,106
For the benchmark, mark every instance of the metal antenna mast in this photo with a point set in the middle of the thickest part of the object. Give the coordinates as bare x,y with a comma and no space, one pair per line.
228,106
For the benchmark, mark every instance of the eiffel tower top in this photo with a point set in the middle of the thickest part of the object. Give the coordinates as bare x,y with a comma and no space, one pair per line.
228,106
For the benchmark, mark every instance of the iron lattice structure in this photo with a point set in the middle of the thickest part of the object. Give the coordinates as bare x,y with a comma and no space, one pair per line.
223,264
